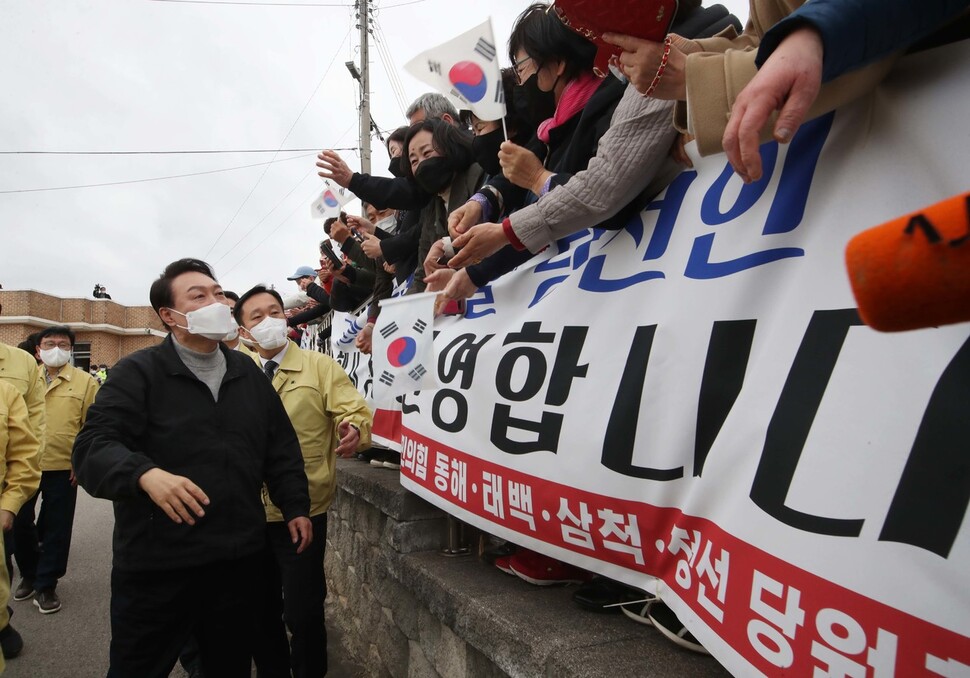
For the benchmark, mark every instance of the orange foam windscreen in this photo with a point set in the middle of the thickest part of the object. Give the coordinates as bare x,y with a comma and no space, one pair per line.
914,271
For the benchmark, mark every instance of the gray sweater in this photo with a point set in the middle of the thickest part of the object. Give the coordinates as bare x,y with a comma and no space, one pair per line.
633,155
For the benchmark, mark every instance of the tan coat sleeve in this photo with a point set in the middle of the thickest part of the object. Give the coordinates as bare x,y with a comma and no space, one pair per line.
345,403
714,82
718,73
22,476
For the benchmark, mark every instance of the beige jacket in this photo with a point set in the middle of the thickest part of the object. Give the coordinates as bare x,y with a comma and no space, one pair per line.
69,395
721,66
317,396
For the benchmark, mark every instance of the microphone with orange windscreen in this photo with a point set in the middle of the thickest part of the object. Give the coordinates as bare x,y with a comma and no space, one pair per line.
914,272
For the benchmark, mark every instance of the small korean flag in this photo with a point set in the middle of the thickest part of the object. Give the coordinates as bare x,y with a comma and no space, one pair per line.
467,69
403,347
329,204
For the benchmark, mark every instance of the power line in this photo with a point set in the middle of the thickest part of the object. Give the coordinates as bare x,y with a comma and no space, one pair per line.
285,137
185,152
289,216
139,181
403,4
266,216
265,4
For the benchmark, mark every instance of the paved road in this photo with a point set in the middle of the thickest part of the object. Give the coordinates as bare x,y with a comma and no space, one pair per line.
73,643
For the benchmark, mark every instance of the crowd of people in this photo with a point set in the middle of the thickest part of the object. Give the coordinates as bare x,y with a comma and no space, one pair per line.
218,446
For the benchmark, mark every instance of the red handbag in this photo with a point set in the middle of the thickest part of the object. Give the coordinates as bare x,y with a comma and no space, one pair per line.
649,20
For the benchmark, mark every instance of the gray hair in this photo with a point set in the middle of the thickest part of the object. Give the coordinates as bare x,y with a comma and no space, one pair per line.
434,105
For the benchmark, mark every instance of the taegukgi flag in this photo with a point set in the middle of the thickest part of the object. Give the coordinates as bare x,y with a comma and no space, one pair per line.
466,68
329,204
403,347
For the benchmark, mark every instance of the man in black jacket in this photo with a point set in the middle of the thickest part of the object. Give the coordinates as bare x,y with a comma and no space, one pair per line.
182,439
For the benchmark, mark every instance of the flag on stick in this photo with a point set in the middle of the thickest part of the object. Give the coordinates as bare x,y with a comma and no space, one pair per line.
403,347
466,68
329,204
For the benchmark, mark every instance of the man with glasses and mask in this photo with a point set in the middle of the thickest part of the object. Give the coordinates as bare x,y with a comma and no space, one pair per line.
70,392
331,419
182,439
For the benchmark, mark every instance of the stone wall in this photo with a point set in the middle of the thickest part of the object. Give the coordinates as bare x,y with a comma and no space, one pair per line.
406,611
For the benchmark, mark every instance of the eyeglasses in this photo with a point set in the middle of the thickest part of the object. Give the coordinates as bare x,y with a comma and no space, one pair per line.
518,70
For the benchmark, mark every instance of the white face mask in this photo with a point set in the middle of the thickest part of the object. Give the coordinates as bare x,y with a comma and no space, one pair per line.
55,357
212,322
270,333
388,224
233,334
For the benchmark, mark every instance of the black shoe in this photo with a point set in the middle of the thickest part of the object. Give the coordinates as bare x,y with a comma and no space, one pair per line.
11,642
386,459
503,551
366,455
47,601
24,590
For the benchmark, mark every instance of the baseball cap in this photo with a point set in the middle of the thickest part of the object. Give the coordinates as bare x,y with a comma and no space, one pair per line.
303,272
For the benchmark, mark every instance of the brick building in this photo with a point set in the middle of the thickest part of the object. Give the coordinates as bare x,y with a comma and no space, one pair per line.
106,331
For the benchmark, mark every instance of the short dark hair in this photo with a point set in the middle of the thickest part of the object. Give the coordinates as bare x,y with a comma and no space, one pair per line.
249,294
160,293
397,135
56,331
451,142
30,344
231,295
542,35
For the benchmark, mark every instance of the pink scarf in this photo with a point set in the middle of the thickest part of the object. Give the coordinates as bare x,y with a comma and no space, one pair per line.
574,98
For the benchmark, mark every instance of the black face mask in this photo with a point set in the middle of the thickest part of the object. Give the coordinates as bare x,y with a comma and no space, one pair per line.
485,149
532,103
395,167
434,174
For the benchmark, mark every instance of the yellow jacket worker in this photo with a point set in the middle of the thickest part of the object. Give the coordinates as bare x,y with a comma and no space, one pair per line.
70,392
19,369
19,478
330,418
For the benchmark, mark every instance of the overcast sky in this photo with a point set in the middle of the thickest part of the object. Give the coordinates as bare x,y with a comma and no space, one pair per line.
150,75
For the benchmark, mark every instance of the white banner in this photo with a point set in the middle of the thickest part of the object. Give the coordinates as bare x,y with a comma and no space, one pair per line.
692,405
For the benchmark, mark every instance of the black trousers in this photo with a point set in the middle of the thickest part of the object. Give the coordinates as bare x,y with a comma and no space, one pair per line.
301,581
153,614
55,525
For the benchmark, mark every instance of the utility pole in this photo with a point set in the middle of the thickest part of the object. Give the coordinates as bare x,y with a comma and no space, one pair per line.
365,120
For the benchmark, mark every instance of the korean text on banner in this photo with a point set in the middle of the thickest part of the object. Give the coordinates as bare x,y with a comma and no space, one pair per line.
467,69
403,347
693,405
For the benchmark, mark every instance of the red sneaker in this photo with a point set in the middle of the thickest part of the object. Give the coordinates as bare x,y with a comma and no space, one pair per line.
502,563
542,570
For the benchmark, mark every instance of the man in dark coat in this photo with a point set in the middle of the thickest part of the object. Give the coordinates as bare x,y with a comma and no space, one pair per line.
182,439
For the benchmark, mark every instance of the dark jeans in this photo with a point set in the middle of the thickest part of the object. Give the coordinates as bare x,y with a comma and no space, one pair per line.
55,524
300,579
154,614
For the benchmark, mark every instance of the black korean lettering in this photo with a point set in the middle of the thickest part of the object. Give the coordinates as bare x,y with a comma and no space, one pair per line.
546,430
621,431
460,419
724,370
536,361
567,367
932,496
792,420
460,356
